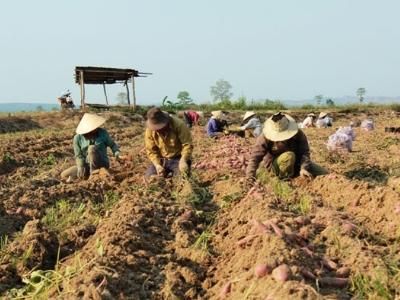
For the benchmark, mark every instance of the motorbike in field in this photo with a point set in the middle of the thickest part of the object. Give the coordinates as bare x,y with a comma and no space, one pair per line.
66,102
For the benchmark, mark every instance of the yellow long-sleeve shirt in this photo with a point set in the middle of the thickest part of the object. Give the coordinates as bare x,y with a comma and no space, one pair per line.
177,142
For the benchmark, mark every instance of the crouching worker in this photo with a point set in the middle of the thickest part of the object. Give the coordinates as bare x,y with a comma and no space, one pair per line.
217,124
191,118
252,123
168,144
324,120
284,149
90,148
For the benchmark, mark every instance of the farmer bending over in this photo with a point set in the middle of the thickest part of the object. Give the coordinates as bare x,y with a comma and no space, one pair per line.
90,147
191,117
324,120
168,144
216,124
309,121
284,148
252,123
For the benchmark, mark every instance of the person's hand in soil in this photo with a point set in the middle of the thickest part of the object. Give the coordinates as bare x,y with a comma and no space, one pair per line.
122,158
160,170
305,174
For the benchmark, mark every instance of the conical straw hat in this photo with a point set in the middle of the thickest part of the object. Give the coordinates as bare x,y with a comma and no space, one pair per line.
248,114
89,122
218,114
322,115
280,127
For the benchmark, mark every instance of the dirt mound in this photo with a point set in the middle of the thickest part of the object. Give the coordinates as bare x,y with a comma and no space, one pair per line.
139,256
36,249
13,124
359,198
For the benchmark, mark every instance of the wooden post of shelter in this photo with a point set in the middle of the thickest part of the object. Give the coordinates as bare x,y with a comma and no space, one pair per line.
105,92
82,86
127,92
133,93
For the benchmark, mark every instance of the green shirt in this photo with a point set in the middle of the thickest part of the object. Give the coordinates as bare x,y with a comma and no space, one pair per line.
102,141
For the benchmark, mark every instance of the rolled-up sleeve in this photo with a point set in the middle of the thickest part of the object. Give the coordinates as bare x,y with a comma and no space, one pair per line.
257,154
153,152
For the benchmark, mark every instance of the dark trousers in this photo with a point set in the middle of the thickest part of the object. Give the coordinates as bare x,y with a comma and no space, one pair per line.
171,167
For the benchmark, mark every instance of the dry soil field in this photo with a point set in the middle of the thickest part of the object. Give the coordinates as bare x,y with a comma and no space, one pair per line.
117,236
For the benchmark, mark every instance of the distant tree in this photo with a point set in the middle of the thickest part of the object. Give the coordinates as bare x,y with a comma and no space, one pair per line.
221,91
122,98
318,99
360,94
39,108
330,102
184,98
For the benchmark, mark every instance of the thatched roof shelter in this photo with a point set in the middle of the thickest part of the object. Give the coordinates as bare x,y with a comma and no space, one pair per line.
103,76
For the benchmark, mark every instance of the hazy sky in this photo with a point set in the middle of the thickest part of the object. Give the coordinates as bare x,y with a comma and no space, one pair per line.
286,49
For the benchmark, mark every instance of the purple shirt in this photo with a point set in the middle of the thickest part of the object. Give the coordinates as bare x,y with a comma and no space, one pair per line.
214,126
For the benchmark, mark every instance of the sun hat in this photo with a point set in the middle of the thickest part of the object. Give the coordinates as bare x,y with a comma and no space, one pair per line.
218,114
157,119
322,115
311,115
89,122
280,127
248,114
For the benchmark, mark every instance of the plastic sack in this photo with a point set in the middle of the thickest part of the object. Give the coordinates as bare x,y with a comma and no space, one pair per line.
367,125
347,130
340,142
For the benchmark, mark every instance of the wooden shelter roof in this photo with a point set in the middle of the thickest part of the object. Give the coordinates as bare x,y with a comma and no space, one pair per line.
99,75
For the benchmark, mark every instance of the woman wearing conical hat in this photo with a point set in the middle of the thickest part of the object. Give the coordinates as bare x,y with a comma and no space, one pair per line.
90,147
216,124
252,122
284,149
308,121
324,120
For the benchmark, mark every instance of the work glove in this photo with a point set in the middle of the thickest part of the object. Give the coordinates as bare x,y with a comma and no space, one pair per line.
306,174
183,166
159,169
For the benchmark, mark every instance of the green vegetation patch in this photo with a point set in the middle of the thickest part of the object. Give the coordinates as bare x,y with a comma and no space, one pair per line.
372,174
